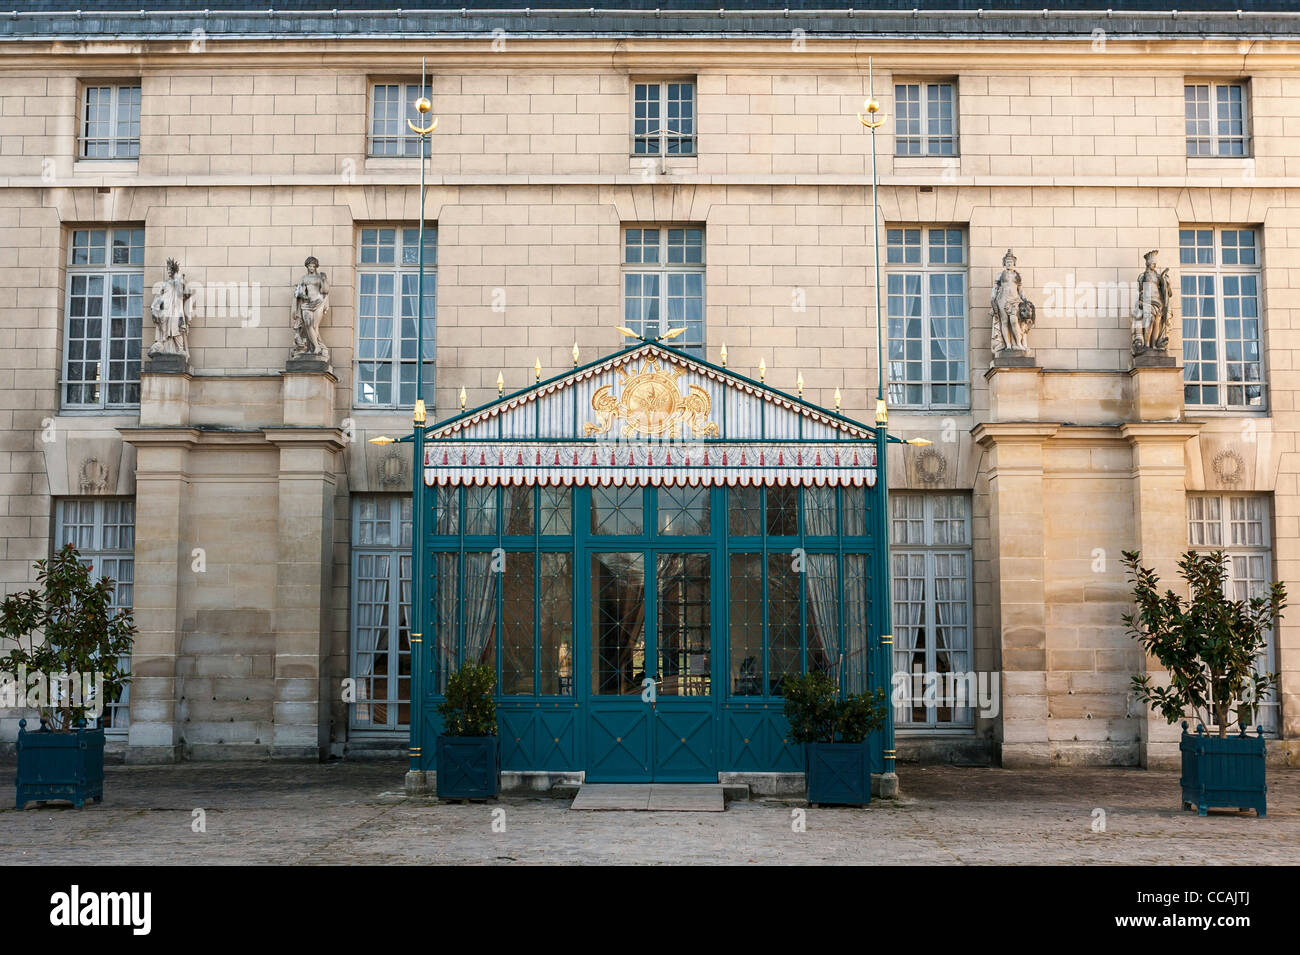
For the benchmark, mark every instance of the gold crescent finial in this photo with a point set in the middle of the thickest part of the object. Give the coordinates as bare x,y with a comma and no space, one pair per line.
872,108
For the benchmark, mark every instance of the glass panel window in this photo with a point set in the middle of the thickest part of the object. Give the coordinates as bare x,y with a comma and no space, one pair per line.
617,511
663,283
381,612
1223,365
618,623
104,318
110,127
683,510
930,563
1216,120
663,118
926,121
387,314
926,304
1238,525
391,105
103,531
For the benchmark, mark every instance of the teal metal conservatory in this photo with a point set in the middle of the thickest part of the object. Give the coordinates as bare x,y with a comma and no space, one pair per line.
646,548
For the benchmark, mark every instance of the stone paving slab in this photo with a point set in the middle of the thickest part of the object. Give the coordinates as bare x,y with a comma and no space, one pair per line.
335,814
652,797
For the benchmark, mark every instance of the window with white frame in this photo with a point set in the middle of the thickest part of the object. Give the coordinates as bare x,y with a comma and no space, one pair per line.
391,105
1223,363
388,274
1217,120
926,304
381,612
110,121
103,531
1238,525
663,118
663,283
930,562
105,315
925,122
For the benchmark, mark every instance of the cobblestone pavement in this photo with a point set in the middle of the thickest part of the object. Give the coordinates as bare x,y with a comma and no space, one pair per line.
338,813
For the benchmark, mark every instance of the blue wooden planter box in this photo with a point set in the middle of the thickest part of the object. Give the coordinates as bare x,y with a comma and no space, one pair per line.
468,767
60,765
1223,772
838,773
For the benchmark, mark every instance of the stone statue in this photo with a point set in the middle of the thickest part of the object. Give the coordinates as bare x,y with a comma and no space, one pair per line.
1151,311
311,300
1013,314
173,311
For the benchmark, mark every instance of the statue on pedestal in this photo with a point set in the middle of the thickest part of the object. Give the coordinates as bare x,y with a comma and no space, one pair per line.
173,311
1152,309
1013,314
311,300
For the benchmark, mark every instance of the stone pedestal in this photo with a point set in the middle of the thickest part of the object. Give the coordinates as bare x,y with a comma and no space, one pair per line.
165,365
1157,391
1154,359
1010,359
308,363
1015,389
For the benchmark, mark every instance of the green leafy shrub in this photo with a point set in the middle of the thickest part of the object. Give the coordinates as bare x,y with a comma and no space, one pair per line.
469,709
818,715
1209,644
67,626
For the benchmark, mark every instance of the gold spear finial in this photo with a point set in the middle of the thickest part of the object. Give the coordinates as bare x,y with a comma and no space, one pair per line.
920,442
537,369
382,439
762,370
463,397
723,354
627,332
837,399
671,334
799,383
575,354
501,384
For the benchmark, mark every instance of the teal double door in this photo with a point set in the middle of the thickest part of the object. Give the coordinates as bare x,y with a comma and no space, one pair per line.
654,638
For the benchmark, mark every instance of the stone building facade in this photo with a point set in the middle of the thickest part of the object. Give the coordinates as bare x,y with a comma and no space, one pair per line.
257,534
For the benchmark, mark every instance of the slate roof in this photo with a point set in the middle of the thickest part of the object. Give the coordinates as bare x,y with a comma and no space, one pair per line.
163,19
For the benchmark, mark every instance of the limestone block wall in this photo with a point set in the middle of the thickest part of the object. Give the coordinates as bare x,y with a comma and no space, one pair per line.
251,160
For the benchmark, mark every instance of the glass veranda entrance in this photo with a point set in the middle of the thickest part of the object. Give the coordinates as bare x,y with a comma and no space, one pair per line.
643,600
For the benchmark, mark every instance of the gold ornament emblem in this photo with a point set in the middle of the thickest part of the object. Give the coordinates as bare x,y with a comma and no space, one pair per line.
651,403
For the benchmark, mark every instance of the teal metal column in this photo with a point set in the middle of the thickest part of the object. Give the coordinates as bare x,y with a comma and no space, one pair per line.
418,571
884,612
418,491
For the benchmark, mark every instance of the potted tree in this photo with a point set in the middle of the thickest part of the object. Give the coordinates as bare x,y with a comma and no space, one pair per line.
1210,645
67,645
833,731
468,754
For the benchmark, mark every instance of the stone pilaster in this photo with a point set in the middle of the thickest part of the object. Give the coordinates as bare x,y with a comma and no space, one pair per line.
1015,469
161,481
309,444
1160,533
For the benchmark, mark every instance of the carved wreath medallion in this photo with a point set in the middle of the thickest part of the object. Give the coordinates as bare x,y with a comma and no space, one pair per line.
1229,466
651,403
930,466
